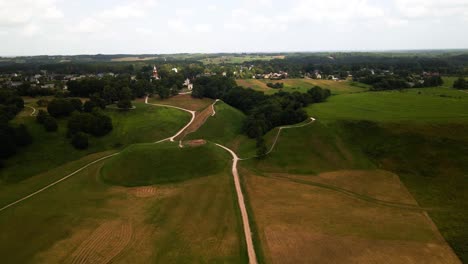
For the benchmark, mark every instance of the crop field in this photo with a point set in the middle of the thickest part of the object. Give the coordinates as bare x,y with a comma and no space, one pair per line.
427,159
49,150
304,219
85,220
185,101
302,85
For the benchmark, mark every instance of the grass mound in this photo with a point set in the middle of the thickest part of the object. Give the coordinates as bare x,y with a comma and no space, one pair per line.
145,124
148,164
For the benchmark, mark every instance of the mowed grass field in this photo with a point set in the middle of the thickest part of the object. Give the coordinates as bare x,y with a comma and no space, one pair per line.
49,150
85,220
415,105
302,85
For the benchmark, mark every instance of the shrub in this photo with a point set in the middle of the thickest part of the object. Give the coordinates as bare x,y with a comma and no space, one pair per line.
50,124
124,104
460,84
80,141
60,108
42,102
41,116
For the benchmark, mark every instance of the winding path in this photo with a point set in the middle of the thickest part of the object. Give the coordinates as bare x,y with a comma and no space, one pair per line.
180,108
34,110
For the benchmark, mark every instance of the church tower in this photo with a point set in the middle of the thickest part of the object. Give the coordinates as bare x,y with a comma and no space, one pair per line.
155,73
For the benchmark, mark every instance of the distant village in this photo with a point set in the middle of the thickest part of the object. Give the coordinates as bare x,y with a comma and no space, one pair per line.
49,80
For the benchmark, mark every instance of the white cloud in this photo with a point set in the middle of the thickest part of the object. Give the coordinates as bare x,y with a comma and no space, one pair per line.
30,30
88,25
144,31
334,10
431,8
203,28
177,25
22,12
184,12
212,8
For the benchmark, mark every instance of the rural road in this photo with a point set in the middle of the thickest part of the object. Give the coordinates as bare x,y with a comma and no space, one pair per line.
240,199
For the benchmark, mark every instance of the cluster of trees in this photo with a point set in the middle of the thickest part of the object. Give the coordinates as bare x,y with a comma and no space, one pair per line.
431,81
47,121
460,83
12,137
380,83
84,119
396,82
277,85
27,90
264,112
80,125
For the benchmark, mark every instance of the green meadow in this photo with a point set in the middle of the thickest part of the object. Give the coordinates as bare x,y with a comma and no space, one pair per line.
49,150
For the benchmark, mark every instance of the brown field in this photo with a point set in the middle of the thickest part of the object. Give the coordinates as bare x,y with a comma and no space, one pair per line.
185,101
299,222
126,59
200,119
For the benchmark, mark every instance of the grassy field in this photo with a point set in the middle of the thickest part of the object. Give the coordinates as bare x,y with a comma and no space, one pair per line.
430,159
416,105
147,164
302,85
225,128
49,150
84,219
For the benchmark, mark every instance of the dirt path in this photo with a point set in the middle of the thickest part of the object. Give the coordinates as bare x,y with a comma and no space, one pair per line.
58,181
34,110
183,109
240,199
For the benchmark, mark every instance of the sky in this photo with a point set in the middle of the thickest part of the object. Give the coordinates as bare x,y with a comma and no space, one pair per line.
64,27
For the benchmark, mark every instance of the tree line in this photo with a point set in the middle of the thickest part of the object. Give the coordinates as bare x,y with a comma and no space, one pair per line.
264,112
12,137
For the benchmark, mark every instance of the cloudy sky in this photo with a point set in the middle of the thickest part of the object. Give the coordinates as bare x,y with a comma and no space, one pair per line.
33,27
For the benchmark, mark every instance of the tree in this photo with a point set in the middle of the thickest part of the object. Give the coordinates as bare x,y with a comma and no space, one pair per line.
60,108
41,116
50,124
80,141
77,104
22,136
124,104
261,147
461,83
110,94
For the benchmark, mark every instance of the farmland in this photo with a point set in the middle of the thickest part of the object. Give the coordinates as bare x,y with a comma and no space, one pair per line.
302,85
